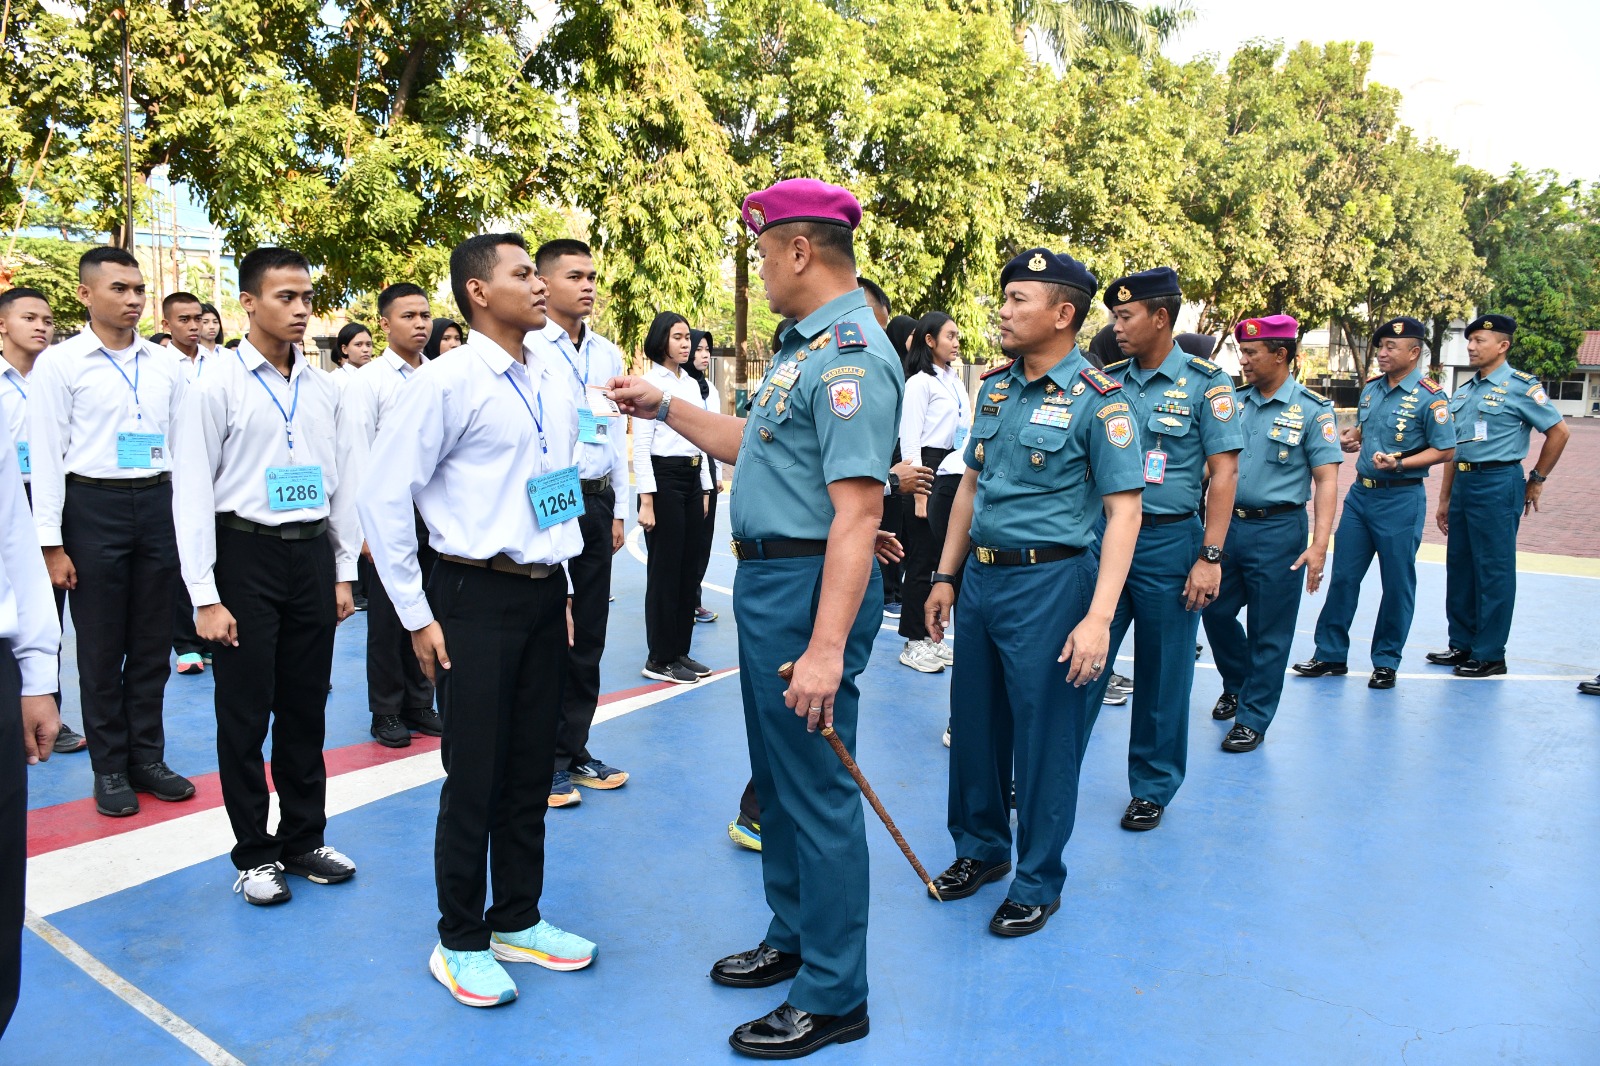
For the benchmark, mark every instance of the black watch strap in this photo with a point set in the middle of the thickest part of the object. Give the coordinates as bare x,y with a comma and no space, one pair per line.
942,579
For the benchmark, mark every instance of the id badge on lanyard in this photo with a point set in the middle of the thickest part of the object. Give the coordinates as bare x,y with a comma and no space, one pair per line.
556,497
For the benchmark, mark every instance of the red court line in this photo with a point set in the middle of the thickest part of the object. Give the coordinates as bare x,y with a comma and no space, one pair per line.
77,822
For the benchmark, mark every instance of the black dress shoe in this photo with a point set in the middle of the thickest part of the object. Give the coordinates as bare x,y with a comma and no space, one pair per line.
1453,657
757,968
158,779
1320,667
1141,815
1020,919
1590,688
113,796
966,876
789,1032
1241,738
1481,668
1227,706
1382,677
424,720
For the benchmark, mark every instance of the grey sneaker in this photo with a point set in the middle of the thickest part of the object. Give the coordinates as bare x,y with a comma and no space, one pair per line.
945,652
263,885
68,741
920,656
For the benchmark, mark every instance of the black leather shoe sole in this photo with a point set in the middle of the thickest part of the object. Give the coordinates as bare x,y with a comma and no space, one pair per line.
973,884
1376,682
842,1035
1141,826
1324,669
762,980
125,812
1450,658
1024,928
1480,669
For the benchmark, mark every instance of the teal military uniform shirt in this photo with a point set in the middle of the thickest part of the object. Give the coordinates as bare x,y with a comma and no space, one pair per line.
1494,415
1186,411
1412,415
1286,437
1046,451
828,410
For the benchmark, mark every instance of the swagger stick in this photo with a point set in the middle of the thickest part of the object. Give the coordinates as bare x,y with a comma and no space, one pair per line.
786,671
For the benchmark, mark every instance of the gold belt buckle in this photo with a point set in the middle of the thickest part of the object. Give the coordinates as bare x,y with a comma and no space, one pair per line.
1368,483
1463,467
734,544
1033,556
695,462
986,556
1240,512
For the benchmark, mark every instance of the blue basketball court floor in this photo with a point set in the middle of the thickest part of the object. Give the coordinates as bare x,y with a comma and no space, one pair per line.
1405,876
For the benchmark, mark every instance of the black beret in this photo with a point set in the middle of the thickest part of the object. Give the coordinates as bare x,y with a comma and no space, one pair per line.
1498,323
1402,327
1145,285
1041,264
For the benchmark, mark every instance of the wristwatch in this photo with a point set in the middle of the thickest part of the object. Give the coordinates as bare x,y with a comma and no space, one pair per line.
894,483
661,412
1536,477
1211,553
942,579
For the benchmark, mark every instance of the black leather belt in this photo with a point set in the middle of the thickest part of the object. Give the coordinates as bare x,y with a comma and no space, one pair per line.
504,564
744,550
596,485
1392,483
123,482
671,461
1496,464
287,531
1165,519
1024,556
1267,512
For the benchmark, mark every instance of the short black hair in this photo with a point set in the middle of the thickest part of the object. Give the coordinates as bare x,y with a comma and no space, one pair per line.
832,240
176,298
1289,346
254,266
1069,294
550,251
1170,304
395,291
21,292
349,332
95,258
655,341
876,294
474,258
158,339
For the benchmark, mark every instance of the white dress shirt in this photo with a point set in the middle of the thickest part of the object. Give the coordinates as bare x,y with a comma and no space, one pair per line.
80,396
14,405
194,368
655,438
592,362
27,606
463,444
344,373
230,431
364,405
935,409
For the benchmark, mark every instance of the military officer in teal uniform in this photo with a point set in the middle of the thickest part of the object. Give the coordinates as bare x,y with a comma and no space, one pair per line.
812,458
1052,439
1187,417
1484,495
1291,450
1402,428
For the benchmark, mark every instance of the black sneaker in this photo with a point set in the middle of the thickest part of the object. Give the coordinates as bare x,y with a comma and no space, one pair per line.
675,673
113,796
324,866
425,721
158,779
68,741
694,666
263,885
388,730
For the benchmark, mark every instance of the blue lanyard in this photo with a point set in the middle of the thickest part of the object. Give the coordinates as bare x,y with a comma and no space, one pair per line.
538,419
14,385
403,370
583,379
294,405
955,393
133,384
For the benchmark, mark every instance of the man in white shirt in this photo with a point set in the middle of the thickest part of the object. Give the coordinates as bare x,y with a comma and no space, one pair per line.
30,638
569,344
99,413
399,695
484,442
27,327
181,314
268,553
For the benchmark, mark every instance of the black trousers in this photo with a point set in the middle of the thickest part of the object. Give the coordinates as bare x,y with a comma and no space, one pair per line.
395,681
591,611
894,520
13,832
500,700
675,545
122,543
940,503
281,594
922,558
185,641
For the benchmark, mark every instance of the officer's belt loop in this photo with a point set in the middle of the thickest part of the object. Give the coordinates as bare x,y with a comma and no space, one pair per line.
1267,512
122,482
287,531
504,564
595,486
748,550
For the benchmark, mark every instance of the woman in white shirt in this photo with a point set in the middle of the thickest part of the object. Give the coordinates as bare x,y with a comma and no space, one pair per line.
210,328
674,485
934,421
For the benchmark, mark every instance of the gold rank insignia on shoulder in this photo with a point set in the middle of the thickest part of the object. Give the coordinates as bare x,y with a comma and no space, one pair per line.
977,451
1036,264
1077,388
821,342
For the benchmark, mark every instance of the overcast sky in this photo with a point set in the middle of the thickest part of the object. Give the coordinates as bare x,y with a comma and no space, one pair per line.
1500,83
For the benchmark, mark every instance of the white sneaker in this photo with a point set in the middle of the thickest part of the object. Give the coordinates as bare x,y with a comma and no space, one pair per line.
945,653
917,655
264,885
947,736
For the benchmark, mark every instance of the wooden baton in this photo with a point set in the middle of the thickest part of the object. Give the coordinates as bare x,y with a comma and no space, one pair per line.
786,671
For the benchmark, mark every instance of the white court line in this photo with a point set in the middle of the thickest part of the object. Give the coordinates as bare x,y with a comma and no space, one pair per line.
202,1045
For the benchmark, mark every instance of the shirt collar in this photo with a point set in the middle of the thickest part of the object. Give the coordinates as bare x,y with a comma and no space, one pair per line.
555,334
1285,394
253,359
826,315
1410,382
392,358
1171,367
1500,376
90,337
496,358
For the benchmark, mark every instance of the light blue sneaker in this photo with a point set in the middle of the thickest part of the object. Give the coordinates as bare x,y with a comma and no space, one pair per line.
473,977
543,945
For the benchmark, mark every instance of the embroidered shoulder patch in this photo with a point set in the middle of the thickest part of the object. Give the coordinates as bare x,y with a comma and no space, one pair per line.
1222,406
1218,391
841,371
844,398
1326,416
1099,381
850,336
1441,414
1204,364
993,370
1329,433
1119,431
1111,409
1538,394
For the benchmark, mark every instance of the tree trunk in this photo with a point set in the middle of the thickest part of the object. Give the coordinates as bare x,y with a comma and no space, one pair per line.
408,79
1436,342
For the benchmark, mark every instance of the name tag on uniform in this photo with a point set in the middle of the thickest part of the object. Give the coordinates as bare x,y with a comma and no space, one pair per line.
24,457
141,451
961,439
592,429
290,488
556,497
1155,467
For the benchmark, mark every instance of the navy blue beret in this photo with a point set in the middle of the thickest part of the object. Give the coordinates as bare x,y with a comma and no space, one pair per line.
1145,285
1403,326
1498,323
1041,264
